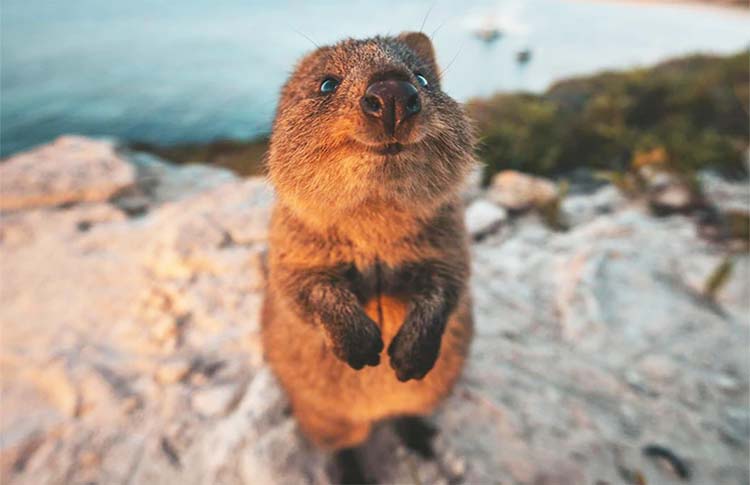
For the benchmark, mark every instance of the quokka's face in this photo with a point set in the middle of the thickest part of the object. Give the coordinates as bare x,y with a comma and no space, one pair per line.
367,119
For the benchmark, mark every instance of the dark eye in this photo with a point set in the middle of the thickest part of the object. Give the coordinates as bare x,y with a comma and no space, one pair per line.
422,80
329,85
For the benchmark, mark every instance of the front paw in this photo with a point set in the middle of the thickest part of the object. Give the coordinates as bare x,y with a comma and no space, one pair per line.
357,342
415,348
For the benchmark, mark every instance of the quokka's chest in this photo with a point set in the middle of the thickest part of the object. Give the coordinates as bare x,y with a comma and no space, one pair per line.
379,279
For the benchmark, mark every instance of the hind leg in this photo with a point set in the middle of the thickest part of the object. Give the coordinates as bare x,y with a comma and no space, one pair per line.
349,468
330,432
417,434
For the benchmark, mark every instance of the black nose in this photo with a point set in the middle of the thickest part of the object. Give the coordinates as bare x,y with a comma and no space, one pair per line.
392,102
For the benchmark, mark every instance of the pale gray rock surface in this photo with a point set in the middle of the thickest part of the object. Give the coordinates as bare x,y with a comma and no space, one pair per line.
70,169
484,217
580,208
162,182
518,191
668,192
726,195
131,352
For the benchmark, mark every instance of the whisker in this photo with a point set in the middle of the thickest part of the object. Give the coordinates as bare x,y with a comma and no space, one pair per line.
307,37
440,75
436,30
427,15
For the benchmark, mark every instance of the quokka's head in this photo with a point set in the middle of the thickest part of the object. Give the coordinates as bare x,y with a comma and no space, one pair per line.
367,120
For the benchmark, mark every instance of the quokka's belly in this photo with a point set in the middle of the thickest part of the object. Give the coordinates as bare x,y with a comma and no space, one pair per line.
314,378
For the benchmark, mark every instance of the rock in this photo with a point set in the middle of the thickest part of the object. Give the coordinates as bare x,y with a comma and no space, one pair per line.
247,226
560,474
132,352
659,369
69,170
667,192
735,426
215,400
173,370
517,191
97,394
159,182
724,194
54,381
726,217
728,383
580,208
672,198
163,182
484,217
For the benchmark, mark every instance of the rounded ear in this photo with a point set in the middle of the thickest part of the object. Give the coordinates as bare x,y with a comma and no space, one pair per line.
421,45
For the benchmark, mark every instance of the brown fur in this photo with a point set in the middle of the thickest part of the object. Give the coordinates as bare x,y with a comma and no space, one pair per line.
367,251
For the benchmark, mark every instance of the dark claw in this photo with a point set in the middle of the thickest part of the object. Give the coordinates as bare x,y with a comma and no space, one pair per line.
415,350
404,375
358,343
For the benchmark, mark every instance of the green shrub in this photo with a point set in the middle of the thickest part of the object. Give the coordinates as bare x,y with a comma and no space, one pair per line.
694,108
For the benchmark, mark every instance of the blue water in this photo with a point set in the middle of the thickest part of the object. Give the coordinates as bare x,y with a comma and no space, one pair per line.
169,71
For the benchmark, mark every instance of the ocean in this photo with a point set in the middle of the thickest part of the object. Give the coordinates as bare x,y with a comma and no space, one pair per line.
169,72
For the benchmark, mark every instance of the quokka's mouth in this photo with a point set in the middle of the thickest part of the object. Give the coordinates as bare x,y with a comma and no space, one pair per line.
389,149
393,148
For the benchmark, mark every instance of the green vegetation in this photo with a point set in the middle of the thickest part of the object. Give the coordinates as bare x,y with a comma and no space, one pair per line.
687,114
718,278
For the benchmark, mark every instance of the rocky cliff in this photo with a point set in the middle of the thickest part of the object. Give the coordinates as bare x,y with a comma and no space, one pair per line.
129,300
